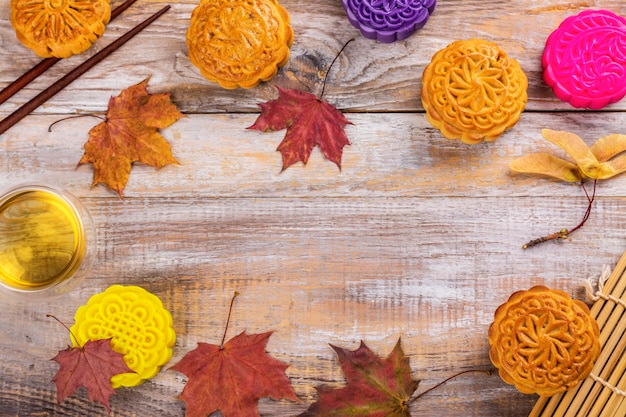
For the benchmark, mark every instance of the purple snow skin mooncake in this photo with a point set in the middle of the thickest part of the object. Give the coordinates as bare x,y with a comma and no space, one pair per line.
388,20
584,61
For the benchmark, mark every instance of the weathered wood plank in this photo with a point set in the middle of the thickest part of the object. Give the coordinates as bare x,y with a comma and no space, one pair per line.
391,154
416,237
336,270
369,76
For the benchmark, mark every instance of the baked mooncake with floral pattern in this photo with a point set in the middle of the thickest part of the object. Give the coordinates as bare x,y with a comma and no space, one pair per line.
542,341
239,43
472,91
59,28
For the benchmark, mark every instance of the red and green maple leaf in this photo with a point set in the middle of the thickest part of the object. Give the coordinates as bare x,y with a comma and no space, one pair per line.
90,366
375,387
309,121
233,377
129,134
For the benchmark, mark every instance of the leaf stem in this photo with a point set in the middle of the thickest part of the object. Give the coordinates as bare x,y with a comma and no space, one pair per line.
564,233
590,199
75,117
330,66
67,328
487,372
230,310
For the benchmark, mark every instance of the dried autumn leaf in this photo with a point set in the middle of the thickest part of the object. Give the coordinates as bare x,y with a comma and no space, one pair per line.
613,167
609,146
309,122
90,366
130,134
232,378
546,164
590,162
604,159
575,147
375,387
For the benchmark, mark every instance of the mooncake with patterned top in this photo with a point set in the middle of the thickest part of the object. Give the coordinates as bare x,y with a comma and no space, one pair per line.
59,28
472,91
543,341
239,43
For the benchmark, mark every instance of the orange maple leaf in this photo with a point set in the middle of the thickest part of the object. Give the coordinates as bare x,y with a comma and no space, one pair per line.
130,134
232,378
90,366
309,122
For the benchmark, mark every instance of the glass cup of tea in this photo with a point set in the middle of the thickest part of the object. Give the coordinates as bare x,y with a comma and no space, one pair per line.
47,241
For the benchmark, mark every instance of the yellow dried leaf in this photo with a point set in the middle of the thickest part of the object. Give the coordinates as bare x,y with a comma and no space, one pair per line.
612,168
548,165
576,148
608,146
605,159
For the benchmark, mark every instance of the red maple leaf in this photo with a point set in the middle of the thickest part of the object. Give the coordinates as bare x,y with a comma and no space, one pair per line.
130,134
375,387
90,366
232,378
309,122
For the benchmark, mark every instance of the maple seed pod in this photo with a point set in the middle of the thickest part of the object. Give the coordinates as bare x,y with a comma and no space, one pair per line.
543,342
59,28
239,43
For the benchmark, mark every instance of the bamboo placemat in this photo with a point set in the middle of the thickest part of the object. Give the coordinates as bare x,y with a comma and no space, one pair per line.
602,394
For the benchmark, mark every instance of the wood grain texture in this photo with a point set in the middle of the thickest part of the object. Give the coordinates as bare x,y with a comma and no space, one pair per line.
369,76
417,237
391,154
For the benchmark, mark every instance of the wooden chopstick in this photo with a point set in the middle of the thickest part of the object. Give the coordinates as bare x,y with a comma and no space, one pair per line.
11,89
64,81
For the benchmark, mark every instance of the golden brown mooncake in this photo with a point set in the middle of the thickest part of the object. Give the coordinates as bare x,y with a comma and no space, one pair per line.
472,91
239,43
542,341
59,28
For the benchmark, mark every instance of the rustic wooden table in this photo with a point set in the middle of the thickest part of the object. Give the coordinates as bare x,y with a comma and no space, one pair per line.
417,237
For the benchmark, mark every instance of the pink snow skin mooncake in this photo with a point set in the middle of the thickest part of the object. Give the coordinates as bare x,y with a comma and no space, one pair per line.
584,61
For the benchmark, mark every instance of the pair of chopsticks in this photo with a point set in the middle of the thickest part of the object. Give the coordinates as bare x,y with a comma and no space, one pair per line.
64,81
